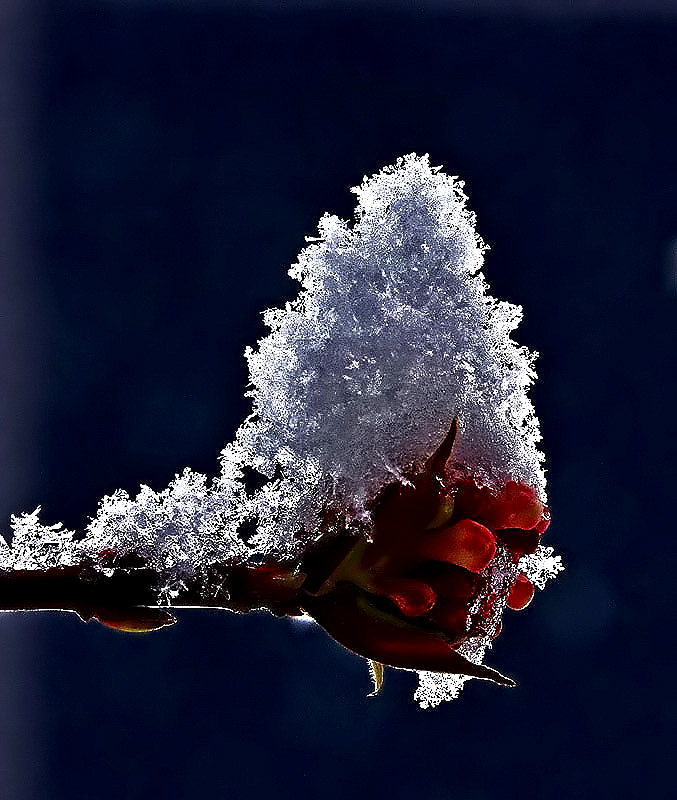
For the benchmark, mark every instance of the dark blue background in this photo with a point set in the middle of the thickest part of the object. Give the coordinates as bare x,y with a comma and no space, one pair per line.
184,154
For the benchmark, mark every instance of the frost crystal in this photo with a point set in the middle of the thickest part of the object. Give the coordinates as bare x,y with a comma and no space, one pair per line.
541,566
392,335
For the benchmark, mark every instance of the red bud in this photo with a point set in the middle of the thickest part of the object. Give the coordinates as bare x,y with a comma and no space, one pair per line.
466,544
521,593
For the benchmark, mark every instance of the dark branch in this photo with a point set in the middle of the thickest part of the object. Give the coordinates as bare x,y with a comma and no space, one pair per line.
127,596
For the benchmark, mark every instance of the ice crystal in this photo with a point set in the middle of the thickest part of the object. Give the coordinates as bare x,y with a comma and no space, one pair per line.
392,335
541,566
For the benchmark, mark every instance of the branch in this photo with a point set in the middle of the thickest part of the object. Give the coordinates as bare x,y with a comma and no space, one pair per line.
128,596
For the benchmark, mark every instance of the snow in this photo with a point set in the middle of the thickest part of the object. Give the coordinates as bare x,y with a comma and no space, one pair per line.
541,566
392,335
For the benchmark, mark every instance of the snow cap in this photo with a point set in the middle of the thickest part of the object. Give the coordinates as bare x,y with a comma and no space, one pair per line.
392,336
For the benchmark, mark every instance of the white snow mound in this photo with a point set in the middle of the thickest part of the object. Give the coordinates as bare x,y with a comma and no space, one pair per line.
392,335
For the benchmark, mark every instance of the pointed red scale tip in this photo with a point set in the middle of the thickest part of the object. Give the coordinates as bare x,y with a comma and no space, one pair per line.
440,457
466,544
521,593
348,615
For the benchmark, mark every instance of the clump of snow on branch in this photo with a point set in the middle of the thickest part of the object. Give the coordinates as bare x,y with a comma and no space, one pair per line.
191,524
392,335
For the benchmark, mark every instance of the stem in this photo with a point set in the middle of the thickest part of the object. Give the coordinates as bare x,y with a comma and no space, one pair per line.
92,593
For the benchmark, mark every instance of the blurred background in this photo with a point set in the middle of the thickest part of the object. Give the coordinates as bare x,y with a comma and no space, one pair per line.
160,165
